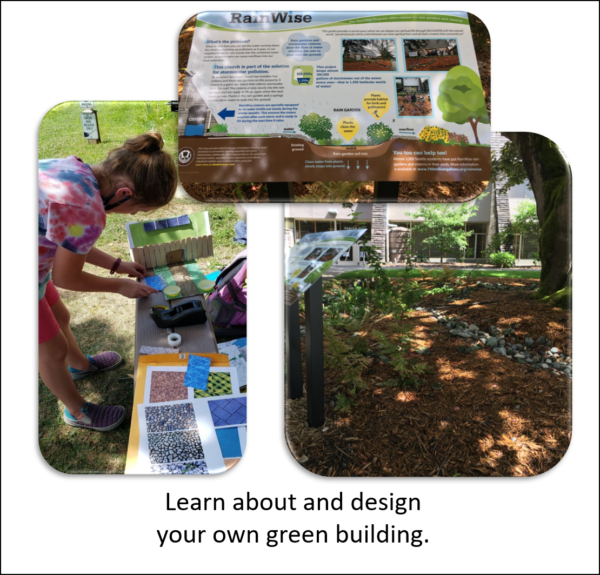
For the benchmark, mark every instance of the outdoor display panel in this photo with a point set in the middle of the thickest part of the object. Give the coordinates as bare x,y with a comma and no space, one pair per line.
332,96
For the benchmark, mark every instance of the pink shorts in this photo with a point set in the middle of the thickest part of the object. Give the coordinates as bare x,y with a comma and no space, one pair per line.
48,326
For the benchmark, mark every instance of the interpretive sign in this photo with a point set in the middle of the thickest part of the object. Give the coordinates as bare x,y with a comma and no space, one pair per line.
329,96
89,123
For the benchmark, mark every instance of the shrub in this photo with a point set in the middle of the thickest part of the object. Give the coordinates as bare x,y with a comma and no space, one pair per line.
434,135
337,142
379,133
219,128
502,260
458,139
359,142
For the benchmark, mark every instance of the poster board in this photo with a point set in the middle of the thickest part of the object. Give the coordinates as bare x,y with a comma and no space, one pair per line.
282,96
217,443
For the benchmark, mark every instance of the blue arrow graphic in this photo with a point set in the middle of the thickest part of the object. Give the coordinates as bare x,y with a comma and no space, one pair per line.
367,164
225,113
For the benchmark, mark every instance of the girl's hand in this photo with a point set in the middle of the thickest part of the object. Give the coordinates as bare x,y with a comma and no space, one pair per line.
132,289
133,269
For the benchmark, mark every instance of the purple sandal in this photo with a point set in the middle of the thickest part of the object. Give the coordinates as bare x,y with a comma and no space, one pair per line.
101,362
97,417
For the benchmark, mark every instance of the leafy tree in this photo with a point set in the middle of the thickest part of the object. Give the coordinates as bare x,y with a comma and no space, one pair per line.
461,98
315,126
379,133
445,225
526,219
540,160
414,45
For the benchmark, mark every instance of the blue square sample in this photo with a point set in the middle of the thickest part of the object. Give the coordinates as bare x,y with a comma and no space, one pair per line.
196,375
156,282
229,440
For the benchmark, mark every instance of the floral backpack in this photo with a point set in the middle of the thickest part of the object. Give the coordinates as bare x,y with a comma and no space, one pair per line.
227,304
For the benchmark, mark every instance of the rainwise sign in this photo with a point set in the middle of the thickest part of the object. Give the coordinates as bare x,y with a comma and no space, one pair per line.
89,123
88,104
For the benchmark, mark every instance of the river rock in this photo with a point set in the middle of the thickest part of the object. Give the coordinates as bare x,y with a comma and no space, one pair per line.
529,342
541,340
491,342
500,351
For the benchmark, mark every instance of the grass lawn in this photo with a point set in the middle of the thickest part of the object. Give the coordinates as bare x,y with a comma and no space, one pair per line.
102,321
432,273
61,135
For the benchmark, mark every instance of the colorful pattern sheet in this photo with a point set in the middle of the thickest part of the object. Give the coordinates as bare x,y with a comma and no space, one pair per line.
228,412
180,433
312,256
197,373
70,211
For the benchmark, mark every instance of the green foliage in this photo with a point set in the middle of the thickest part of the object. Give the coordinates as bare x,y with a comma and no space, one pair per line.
508,169
343,402
461,98
502,260
359,142
315,126
218,128
445,226
337,141
526,219
379,133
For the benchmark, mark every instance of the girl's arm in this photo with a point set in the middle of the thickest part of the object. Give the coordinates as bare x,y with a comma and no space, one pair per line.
101,259
67,273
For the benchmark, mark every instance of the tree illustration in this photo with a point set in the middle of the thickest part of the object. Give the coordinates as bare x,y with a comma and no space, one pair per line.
461,98
315,126
379,133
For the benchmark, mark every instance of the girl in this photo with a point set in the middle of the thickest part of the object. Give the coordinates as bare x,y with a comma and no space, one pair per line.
74,199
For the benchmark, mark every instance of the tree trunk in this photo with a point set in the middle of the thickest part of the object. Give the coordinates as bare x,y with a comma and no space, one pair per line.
550,178
474,126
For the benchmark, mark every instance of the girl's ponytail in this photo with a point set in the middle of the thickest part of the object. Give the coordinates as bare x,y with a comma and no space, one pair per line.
151,170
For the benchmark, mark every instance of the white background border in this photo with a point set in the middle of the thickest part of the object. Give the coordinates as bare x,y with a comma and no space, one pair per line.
58,51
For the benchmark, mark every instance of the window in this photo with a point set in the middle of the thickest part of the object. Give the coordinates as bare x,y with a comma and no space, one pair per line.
304,227
477,240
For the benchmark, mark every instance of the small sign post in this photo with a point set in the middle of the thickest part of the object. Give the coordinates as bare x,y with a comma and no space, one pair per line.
89,123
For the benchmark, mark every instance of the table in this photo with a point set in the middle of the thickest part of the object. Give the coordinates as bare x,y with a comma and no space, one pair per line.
194,338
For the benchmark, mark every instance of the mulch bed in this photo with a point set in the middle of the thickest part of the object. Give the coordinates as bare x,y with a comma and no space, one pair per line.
432,63
256,193
439,192
414,108
475,414
376,66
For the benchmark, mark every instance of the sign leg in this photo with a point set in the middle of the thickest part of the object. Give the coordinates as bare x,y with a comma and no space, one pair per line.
315,390
281,191
293,358
386,192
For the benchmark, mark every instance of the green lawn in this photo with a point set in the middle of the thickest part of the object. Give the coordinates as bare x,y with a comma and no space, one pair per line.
102,321
457,273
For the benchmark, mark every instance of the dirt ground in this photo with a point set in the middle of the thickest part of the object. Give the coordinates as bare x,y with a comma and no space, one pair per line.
439,191
432,63
418,108
374,66
475,414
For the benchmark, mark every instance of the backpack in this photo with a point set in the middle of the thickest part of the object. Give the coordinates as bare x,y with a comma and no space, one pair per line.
227,304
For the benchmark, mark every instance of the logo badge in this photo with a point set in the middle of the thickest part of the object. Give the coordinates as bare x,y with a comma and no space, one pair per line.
186,156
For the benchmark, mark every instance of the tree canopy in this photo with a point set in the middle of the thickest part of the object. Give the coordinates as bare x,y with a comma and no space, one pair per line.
461,98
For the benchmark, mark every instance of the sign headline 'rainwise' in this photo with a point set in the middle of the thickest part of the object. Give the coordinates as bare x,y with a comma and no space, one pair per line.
275,17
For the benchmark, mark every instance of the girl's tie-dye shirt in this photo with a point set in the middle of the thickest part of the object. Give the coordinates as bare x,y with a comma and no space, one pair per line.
71,213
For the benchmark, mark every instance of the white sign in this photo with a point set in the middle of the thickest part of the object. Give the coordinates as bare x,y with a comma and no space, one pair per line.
86,104
412,54
90,126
